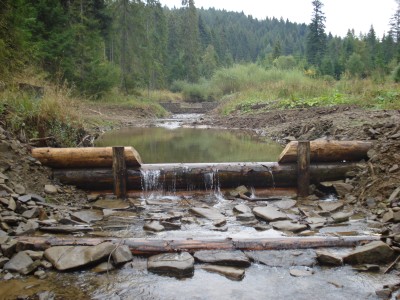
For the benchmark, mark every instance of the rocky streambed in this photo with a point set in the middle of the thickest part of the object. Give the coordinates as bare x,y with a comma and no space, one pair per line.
31,204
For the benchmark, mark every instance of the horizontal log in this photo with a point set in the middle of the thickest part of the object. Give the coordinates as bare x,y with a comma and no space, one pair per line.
96,157
328,151
153,246
172,177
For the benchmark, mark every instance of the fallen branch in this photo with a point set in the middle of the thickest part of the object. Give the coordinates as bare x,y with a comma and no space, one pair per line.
392,265
153,246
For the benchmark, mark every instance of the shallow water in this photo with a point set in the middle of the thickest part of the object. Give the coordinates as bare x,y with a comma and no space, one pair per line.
185,145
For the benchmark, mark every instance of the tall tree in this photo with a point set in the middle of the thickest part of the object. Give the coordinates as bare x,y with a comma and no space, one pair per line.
316,38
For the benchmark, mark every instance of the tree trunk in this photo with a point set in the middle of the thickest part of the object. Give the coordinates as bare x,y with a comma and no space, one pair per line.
328,151
154,246
96,157
203,176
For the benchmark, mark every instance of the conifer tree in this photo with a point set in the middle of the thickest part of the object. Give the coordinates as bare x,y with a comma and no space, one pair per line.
316,38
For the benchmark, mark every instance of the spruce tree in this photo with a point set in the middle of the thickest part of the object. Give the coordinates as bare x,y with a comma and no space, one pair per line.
316,38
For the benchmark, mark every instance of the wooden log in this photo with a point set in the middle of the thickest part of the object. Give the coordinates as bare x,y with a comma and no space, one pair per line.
303,168
97,157
153,246
119,172
172,177
328,151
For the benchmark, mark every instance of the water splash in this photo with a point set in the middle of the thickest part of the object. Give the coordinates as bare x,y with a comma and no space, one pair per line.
269,170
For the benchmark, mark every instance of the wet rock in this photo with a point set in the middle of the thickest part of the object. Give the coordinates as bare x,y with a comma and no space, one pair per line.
301,272
35,255
288,226
245,217
227,258
375,252
111,204
367,268
122,255
50,189
342,188
40,274
26,228
32,213
242,209
229,272
46,264
154,226
66,228
283,258
171,225
327,258
316,222
87,216
269,213
172,264
341,217
18,263
331,206
208,213
104,267
71,257
219,223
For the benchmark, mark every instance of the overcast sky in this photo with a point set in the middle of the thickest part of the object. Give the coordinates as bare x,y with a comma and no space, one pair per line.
341,15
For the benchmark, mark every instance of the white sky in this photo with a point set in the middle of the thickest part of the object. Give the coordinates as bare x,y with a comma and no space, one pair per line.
341,15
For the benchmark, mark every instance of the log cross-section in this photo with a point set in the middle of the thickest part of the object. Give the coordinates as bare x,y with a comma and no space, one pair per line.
119,172
303,168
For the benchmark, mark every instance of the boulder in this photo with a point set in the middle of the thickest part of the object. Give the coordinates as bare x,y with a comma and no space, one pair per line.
327,258
288,226
50,189
18,263
268,213
372,253
122,255
227,258
229,272
72,257
172,264
19,189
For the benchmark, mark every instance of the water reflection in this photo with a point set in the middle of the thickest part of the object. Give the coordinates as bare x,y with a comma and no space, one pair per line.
185,145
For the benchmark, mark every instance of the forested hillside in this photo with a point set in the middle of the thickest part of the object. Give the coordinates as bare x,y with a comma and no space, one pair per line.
95,45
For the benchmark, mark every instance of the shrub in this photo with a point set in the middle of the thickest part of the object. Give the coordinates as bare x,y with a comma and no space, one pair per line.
396,74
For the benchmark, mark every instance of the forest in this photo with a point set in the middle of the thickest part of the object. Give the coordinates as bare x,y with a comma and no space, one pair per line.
95,46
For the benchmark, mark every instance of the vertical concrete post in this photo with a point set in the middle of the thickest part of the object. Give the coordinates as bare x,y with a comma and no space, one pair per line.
303,168
119,172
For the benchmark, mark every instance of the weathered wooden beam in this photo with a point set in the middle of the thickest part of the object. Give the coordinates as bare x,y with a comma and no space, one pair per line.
152,246
119,172
197,176
303,168
328,151
96,157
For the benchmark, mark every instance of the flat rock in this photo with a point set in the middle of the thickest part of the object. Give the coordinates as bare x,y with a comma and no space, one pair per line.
111,204
37,198
72,257
87,216
26,228
18,263
122,255
154,226
283,258
285,204
229,272
50,189
245,217
172,264
268,213
66,228
367,268
208,213
288,226
242,209
372,253
316,222
12,205
343,188
327,258
31,213
340,217
331,206
227,258
24,198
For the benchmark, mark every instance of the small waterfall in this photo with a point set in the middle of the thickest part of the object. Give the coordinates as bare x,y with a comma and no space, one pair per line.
272,175
151,182
211,184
